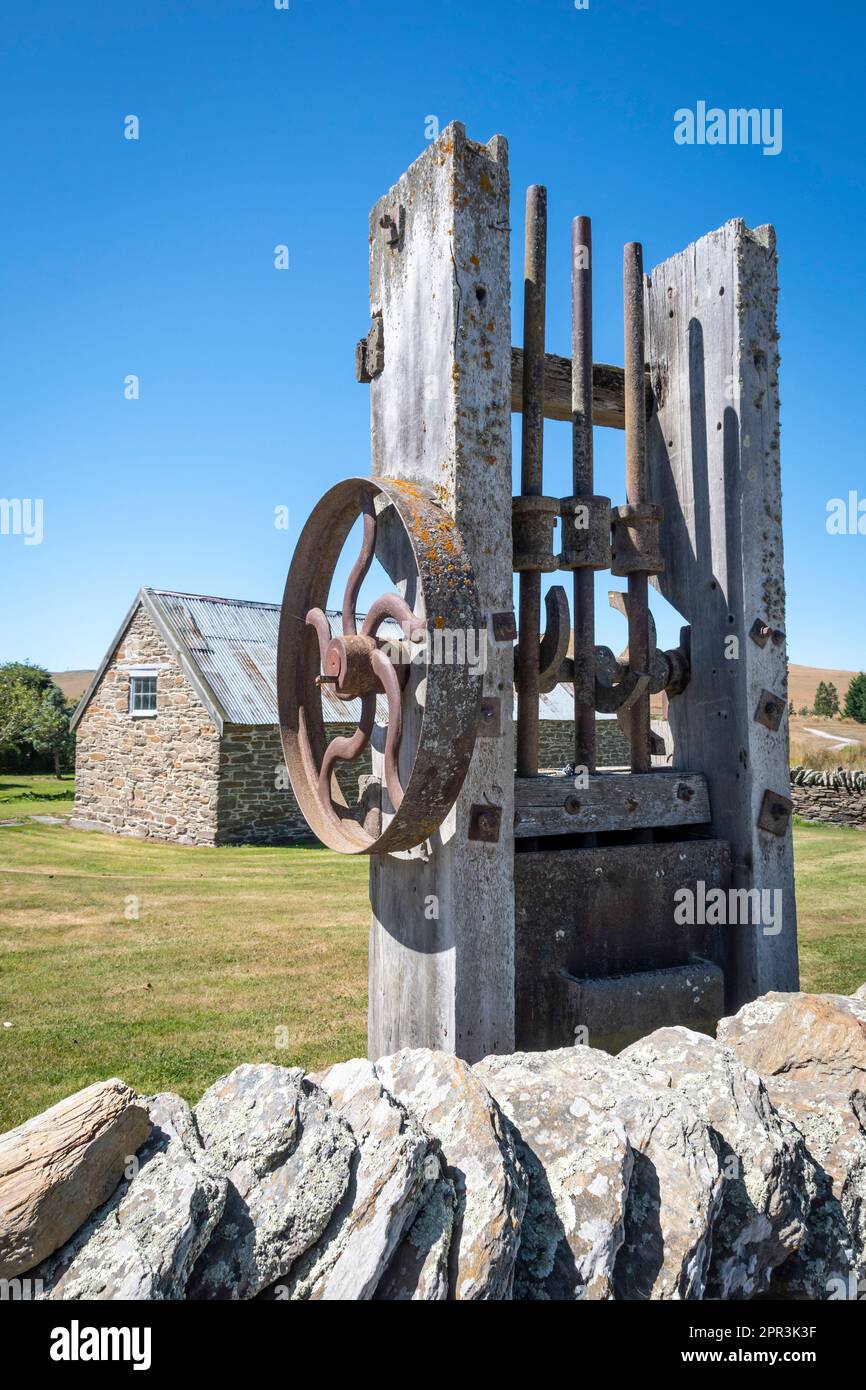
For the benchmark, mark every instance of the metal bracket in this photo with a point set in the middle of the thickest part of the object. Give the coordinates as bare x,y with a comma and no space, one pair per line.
393,224
770,711
504,627
761,633
775,813
370,352
554,644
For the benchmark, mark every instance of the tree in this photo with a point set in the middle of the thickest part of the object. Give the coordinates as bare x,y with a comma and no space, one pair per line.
34,712
48,726
17,705
826,700
33,677
855,699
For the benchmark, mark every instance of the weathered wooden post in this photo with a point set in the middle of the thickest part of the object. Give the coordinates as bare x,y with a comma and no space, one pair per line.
442,936
715,468
539,909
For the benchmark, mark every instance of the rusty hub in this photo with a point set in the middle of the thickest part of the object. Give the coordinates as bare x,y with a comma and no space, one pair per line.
347,666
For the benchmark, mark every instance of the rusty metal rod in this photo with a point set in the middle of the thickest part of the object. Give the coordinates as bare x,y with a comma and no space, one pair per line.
531,456
637,490
582,486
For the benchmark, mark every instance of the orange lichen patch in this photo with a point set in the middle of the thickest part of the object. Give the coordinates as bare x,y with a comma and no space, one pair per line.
411,489
473,260
439,622
485,182
489,458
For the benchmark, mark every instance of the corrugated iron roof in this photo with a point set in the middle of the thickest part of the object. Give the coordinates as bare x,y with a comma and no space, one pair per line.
233,643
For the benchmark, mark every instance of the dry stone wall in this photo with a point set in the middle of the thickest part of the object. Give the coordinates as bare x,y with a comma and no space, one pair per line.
684,1168
834,798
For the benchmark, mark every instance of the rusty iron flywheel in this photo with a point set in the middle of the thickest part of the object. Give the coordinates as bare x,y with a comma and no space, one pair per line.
433,696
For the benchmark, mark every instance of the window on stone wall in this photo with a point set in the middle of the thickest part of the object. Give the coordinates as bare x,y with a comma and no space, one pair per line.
142,695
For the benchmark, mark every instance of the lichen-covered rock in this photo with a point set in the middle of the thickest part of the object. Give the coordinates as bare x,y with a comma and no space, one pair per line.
811,1052
824,1034
676,1183
388,1177
578,1161
672,1186
419,1270
287,1157
60,1166
768,1179
832,1118
143,1243
453,1105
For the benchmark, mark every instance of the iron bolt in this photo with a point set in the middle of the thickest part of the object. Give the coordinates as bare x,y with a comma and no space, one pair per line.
392,223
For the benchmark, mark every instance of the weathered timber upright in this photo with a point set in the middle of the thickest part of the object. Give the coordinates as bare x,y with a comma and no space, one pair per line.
442,934
713,454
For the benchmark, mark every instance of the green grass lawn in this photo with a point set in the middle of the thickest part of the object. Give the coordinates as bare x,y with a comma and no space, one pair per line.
243,955
831,907
236,955
35,795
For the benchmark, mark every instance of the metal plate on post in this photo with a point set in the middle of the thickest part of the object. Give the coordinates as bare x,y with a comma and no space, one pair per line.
771,710
485,823
490,717
775,813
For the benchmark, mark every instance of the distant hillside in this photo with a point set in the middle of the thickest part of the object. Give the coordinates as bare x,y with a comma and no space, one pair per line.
803,682
73,683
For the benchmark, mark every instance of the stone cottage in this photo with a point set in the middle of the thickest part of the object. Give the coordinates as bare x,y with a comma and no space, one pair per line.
177,737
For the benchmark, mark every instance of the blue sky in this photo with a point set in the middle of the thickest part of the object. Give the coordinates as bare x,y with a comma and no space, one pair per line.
261,126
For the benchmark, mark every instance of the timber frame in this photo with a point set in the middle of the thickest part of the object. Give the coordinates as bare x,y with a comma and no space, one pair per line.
542,906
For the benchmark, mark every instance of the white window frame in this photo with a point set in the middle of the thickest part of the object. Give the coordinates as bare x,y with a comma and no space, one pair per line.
143,673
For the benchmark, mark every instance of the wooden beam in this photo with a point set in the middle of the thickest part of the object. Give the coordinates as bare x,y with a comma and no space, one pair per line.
610,801
713,457
442,934
608,390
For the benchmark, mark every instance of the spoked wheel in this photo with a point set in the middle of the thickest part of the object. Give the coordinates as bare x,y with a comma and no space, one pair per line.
436,633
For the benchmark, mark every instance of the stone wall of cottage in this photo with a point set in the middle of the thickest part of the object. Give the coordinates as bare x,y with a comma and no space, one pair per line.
556,743
147,776
256,805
